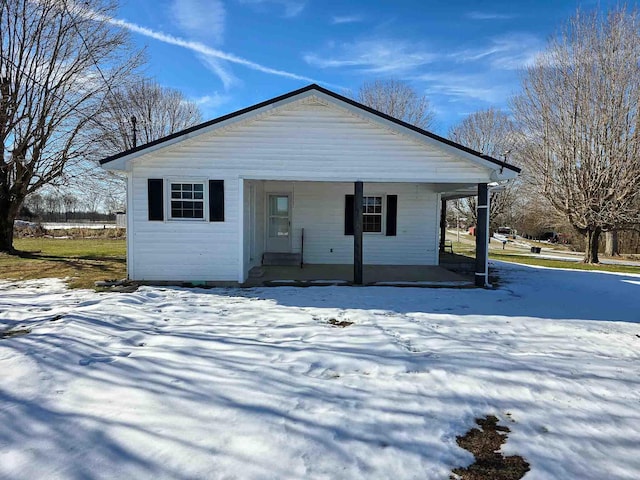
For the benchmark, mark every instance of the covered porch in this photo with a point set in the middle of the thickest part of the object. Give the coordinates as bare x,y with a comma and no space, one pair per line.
303,232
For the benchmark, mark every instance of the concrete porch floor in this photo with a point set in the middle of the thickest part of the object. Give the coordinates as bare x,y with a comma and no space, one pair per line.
391,275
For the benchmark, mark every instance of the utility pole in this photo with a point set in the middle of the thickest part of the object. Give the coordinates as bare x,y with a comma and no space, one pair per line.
135,131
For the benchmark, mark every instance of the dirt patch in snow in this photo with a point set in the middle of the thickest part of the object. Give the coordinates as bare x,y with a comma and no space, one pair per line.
490,464
339,323
14,333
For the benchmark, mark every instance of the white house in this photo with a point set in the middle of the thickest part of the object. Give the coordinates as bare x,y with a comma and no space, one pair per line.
213,201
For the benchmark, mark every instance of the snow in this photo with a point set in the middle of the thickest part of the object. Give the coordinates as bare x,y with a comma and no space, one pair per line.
256,384
69,226
500,238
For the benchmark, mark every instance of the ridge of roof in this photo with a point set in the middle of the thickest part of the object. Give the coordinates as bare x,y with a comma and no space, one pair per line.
299,91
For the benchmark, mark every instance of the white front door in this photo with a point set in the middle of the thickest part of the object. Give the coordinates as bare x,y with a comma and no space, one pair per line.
279,223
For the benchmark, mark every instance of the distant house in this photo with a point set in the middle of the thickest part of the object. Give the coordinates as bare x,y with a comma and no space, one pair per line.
213,201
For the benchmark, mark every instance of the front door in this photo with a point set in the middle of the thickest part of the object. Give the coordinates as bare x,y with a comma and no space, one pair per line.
279,223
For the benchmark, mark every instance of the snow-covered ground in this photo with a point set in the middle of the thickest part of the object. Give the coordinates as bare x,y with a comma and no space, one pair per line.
256,384
65,225
69,226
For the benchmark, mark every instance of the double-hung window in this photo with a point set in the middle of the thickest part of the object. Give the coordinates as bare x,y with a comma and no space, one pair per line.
372,215
187,200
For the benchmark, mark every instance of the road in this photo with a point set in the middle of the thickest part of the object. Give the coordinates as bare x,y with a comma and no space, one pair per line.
552,252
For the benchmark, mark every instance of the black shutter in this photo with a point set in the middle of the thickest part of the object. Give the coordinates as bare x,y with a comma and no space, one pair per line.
216,200
156,203
392,215
348,214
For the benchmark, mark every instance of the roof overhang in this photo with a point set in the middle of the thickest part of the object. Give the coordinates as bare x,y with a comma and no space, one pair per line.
499,170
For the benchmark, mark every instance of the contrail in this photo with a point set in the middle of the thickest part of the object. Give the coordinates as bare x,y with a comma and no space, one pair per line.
181,42
202,49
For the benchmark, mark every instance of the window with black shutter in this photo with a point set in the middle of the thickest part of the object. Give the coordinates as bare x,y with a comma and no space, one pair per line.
373,213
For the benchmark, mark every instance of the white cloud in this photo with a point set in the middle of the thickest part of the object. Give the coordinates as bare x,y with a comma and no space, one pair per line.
292,8
203,19
489,16
374,56
465,86
338,20
211,102
506,52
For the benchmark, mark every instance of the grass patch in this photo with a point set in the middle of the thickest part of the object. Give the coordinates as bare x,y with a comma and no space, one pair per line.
517,257
544,262
83,261
464,248
485,443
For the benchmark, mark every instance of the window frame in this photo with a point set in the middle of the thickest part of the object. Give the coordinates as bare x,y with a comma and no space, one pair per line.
205,198
382,214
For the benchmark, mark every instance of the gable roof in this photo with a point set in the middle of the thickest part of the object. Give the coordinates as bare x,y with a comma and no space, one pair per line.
341,98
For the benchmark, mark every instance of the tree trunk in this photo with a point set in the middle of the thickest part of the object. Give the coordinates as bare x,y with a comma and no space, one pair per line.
612,248
8,213
591,247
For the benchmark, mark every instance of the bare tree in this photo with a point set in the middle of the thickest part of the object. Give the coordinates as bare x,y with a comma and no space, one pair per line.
35,203
158,112
579,110
57,60
92,204
492,133
399,100
53,204
70,202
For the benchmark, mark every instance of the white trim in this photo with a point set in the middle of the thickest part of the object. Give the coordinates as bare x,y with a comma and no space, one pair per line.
280,177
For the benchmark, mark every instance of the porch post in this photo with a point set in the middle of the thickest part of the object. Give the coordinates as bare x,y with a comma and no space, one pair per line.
357,232
443,223
482,237
241,275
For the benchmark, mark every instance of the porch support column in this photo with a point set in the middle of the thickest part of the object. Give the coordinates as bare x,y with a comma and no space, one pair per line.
357,232
241,274
443,223
482,237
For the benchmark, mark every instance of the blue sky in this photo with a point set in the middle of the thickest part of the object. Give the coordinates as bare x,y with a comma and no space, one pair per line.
230,54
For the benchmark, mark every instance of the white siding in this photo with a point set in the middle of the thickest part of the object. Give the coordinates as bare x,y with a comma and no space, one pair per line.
183,250
305,141
313,142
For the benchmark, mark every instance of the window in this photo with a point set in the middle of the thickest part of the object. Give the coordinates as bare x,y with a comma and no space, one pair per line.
372,215
187,200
